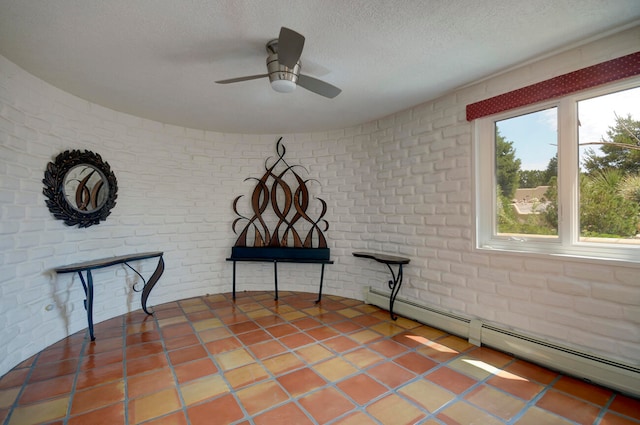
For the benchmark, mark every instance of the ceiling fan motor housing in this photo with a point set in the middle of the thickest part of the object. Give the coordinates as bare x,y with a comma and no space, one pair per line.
282,78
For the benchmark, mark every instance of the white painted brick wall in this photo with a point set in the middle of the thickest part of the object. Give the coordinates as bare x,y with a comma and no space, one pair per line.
175,191
592,305
401,184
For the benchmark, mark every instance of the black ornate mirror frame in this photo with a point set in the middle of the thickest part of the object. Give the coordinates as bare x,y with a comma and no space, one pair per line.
54,188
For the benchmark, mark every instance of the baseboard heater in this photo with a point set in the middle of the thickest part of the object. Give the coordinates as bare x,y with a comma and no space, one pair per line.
600,370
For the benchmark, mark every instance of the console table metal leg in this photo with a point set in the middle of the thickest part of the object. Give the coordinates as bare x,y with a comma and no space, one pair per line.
321,280
394,285
88,302
275,275
148,286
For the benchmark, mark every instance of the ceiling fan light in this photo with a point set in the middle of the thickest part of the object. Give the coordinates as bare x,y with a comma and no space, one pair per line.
283,86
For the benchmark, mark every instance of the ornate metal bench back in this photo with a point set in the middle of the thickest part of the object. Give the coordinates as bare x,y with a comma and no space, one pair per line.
283,193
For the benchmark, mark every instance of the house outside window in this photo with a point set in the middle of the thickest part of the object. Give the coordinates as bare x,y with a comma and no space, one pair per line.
562,176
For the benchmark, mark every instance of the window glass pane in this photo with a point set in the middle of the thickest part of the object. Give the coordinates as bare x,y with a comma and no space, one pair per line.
609,140
526,175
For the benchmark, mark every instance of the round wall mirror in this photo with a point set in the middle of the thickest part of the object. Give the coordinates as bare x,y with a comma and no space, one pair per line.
80,187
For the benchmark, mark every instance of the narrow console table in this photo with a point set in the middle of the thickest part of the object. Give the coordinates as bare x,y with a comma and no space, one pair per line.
396,279
87,285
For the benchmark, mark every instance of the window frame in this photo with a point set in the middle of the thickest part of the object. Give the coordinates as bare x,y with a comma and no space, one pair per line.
568,241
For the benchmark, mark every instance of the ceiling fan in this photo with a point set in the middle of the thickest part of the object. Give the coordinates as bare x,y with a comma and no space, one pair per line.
283,66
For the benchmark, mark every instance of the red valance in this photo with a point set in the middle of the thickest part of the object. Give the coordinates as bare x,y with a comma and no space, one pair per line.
605,72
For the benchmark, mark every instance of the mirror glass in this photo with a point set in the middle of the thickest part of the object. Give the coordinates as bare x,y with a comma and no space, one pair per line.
85,188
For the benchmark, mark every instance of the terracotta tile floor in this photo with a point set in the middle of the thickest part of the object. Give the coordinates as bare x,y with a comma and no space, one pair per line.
208,360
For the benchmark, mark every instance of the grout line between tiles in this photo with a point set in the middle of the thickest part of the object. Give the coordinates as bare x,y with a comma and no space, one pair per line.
183,406
23,387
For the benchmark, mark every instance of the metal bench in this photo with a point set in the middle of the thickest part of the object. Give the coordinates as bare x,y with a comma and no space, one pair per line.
277,255
281,227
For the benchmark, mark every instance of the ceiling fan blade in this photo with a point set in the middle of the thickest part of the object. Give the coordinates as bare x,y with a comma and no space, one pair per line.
290,44
318,86
237,80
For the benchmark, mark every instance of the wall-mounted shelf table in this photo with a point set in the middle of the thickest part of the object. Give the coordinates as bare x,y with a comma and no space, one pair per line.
87,285
396,278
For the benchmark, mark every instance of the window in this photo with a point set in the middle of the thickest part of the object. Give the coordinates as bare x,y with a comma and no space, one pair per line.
562,176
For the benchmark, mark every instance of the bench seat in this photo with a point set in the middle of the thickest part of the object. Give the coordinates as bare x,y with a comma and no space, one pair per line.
277,255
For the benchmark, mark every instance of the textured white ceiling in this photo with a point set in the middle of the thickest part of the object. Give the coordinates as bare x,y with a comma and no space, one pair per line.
158,59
